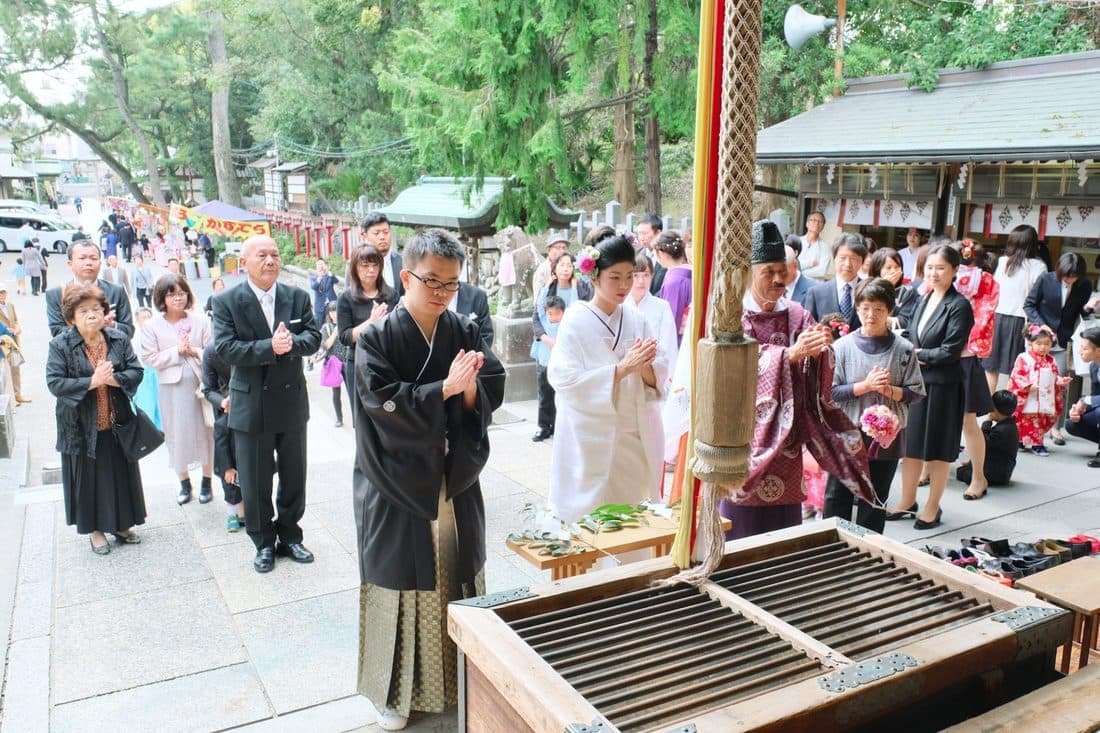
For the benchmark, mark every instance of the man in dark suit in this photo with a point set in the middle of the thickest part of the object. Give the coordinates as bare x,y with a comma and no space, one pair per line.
262,329
798,285
839,294
127,235
645,236
83,260
473,302
375,231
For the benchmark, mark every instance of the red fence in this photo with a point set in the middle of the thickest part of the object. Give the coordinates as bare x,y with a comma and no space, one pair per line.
315,236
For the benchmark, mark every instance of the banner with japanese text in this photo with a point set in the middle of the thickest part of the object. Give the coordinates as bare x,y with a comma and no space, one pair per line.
184,216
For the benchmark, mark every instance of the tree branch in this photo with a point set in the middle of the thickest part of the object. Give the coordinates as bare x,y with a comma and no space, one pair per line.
630,96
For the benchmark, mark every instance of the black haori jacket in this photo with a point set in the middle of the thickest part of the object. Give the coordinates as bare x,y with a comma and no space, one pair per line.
410,442
68,374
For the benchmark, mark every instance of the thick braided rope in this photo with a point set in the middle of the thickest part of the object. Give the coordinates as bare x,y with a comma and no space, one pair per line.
736,166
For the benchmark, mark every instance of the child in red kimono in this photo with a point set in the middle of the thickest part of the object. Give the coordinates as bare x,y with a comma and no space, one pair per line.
1038,388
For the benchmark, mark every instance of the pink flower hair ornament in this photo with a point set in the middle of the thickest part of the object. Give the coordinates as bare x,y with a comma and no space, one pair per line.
1036,330
587,259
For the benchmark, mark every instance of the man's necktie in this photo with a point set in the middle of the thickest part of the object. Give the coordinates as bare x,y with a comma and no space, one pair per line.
268,304
846,302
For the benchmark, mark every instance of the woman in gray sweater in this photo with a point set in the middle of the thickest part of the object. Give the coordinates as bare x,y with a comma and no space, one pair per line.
874,366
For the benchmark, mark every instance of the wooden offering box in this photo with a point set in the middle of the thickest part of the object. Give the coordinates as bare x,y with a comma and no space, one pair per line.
816,628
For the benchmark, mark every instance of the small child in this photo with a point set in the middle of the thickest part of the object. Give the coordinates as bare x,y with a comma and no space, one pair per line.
332,356
1038,388
20,275
1002,439
540,352
215,387
1084,415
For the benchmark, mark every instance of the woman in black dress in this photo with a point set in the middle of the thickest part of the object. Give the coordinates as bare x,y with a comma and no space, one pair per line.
939,330
92,370
366,300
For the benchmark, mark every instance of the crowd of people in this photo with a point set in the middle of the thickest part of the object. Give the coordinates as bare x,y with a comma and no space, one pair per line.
870,359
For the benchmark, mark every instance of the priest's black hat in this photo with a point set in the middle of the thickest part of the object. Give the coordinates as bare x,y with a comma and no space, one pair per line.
767,243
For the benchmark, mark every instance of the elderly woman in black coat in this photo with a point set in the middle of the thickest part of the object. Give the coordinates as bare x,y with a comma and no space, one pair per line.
93,373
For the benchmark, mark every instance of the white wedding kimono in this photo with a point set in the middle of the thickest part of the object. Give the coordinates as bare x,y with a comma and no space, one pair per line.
608,441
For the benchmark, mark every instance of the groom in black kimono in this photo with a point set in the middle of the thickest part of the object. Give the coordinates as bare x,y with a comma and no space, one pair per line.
426,397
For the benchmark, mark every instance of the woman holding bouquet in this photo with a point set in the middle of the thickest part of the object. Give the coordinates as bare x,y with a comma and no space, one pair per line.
876,379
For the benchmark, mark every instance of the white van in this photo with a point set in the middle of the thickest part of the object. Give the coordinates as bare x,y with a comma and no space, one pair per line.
23,205
54,233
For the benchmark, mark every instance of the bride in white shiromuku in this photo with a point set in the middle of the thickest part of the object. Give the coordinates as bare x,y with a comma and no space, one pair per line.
609,377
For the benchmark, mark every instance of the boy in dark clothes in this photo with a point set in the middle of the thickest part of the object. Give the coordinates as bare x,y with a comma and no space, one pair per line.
215,386
1002,442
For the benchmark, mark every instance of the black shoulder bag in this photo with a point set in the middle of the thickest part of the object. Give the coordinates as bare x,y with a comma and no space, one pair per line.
136,433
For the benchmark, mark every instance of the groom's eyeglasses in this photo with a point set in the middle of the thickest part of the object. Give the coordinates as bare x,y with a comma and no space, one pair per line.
433,284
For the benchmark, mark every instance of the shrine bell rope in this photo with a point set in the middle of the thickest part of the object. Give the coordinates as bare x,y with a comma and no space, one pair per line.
724,381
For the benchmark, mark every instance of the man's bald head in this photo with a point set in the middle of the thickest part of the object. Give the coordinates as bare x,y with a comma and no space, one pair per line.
251,243
261,260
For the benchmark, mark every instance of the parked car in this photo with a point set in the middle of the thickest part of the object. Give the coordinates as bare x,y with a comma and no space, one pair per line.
23,205
54,233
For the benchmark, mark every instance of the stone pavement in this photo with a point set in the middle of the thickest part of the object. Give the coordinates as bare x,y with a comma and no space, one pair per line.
179,634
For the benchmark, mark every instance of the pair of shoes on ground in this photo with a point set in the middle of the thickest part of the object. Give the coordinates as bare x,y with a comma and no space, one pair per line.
264,561
206,491
912,512
130,538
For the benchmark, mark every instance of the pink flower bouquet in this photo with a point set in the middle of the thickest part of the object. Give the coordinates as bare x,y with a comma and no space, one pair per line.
881,425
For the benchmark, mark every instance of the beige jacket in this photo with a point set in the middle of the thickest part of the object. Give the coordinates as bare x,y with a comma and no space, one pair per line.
160,347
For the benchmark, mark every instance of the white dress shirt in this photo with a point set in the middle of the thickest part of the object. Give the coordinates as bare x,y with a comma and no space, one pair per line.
817,252
260,295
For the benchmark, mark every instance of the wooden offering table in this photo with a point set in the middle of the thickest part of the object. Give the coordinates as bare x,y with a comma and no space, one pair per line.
1074,586
658,536
821,628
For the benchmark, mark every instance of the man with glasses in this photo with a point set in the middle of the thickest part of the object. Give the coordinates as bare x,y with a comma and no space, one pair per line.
814,259
427,390
262,329
838,295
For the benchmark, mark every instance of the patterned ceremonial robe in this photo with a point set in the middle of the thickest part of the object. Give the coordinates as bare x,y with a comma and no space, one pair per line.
793,409
1036,412
982,290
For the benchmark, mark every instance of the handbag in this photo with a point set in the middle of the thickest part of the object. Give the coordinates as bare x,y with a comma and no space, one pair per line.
135,432
332,373
205,406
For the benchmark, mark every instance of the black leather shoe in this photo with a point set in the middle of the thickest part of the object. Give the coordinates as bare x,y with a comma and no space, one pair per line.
184,496
905,514
206,495
296,551
541,435
264,560
1094,462
921,524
